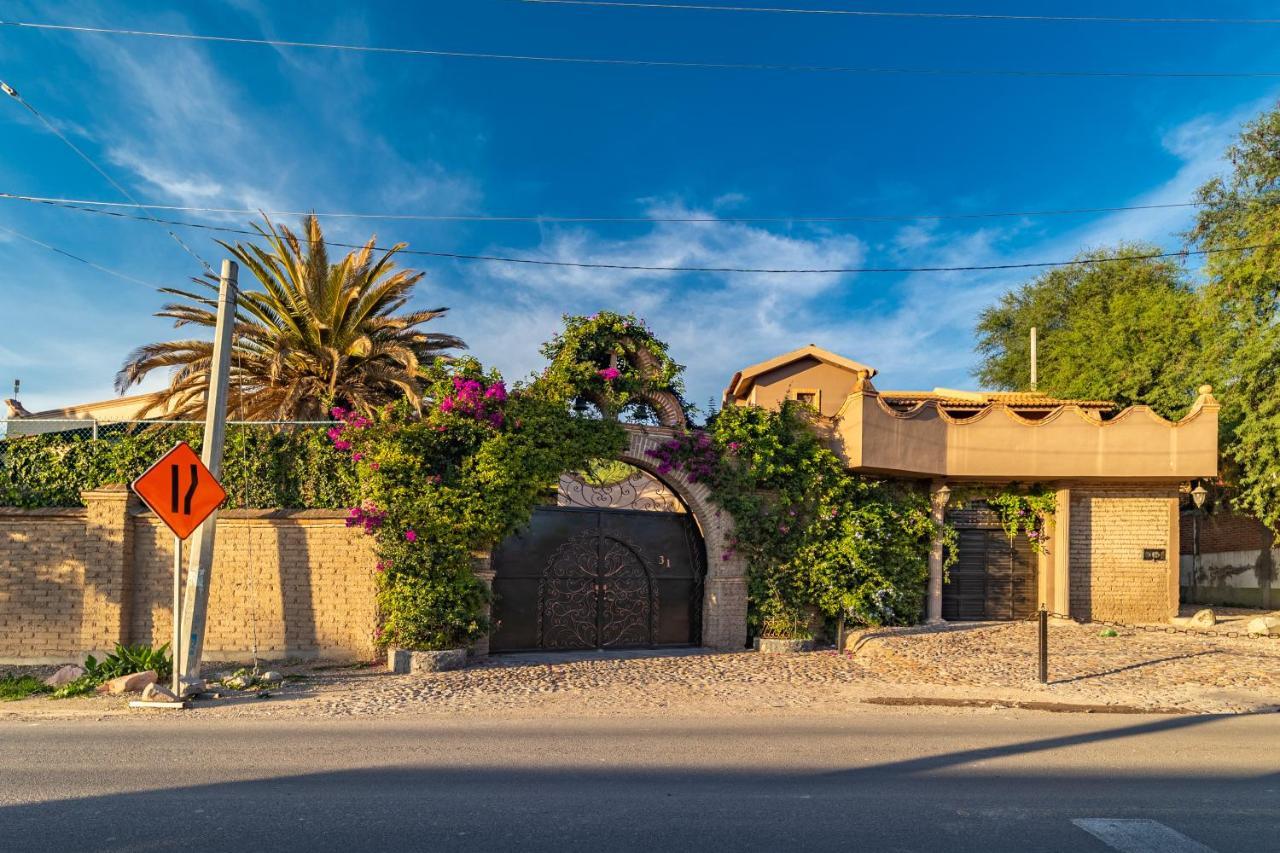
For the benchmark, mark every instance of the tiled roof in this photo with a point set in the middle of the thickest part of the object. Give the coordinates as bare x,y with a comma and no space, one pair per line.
979,399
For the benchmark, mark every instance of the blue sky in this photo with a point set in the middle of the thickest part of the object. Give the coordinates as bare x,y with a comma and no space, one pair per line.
219,125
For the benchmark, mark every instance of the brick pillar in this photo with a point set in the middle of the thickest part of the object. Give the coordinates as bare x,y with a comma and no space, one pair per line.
108,568
724,610
482,567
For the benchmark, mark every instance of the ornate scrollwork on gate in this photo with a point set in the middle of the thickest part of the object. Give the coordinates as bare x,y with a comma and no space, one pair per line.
596,592
637,490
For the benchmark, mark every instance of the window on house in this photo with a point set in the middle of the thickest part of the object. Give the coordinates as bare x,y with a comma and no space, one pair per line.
809,398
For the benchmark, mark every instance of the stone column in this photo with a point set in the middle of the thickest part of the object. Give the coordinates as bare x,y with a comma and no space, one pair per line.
482,567
108,568
1061,602
939,494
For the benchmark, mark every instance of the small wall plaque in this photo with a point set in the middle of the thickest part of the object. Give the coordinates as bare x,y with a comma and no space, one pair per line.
1156,554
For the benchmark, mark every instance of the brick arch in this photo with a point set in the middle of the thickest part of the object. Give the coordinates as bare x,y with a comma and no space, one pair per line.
724,602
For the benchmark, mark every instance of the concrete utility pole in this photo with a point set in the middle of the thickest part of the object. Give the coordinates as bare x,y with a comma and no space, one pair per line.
1034,358
195,614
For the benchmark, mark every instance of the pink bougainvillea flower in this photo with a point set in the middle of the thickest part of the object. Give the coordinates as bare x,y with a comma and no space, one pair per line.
338,412
447,404
411,535
340,444
374,465
356,457
608,374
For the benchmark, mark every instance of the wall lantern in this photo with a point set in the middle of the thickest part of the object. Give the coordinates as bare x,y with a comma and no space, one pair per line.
1198,495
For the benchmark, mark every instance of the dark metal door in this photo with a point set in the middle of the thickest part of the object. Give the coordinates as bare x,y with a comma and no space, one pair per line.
992,577
586,579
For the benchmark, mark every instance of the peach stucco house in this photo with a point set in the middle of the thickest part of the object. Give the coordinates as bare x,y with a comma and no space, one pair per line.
1112,550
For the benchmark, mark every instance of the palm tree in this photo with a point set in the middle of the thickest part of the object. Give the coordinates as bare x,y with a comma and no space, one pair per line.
316,334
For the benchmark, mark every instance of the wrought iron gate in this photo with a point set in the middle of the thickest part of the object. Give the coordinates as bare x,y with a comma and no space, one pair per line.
585,579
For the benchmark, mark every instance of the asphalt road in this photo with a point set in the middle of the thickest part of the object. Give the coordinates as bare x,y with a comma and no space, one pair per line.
874,779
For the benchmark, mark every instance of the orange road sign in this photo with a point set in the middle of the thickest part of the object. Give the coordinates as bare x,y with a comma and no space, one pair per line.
180,489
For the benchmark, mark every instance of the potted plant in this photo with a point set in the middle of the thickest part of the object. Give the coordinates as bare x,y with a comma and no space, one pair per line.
784,634
428,623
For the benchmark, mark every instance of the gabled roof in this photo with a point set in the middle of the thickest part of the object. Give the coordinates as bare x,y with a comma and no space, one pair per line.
742,381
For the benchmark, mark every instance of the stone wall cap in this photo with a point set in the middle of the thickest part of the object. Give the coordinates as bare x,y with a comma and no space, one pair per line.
43,512
269,514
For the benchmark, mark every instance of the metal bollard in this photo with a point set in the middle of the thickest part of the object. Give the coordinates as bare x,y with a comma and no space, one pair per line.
1044,645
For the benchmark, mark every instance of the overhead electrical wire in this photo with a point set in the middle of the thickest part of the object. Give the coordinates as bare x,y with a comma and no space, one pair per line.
452,217
651,63
885,13
13,93
647,268
74,257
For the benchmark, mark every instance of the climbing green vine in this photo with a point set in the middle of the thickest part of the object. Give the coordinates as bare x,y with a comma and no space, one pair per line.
1024,512
615,363
815,536
441,485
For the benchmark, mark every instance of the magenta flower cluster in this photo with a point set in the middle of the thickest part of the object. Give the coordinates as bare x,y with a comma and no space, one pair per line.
366,516
472,398
693,454
608,374
338,433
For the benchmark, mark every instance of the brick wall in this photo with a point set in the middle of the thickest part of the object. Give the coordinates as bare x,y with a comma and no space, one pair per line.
1224,532
79,580
42,557
1109,529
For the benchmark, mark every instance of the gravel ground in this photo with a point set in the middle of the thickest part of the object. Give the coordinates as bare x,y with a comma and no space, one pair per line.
988,662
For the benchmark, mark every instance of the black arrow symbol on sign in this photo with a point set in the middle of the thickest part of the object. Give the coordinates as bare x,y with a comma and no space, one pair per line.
174,479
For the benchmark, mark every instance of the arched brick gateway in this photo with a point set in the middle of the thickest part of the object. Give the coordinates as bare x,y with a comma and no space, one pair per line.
724,590
724,604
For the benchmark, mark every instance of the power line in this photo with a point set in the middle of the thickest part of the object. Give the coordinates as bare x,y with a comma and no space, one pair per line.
869,13
13,93
645,268
417,217
67,254
654,63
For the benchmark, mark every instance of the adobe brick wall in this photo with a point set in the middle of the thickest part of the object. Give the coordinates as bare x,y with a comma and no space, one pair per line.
1109,528
301,579
75,581
42,559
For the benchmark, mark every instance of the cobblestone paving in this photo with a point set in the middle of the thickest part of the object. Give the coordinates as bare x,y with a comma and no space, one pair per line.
994,662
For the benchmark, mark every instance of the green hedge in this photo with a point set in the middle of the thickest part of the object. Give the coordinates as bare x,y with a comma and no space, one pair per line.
264,467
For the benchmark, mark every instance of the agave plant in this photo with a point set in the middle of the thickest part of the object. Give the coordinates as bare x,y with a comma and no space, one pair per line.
315,334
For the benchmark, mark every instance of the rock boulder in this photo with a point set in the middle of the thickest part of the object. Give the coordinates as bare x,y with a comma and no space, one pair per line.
66,675
129,683
1264,625
1203,619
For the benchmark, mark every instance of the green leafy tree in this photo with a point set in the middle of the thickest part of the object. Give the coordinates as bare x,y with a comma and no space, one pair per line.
314,334
1239,225
1128,330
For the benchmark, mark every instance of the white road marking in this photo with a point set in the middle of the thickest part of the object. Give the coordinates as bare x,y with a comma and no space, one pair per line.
1139,836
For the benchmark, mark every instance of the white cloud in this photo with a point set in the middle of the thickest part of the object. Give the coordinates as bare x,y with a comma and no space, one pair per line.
917,329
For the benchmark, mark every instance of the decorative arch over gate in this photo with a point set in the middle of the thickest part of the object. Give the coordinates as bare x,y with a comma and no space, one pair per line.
724,604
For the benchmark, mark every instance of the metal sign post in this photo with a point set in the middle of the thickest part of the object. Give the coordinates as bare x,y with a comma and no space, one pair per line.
177,613
182,492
